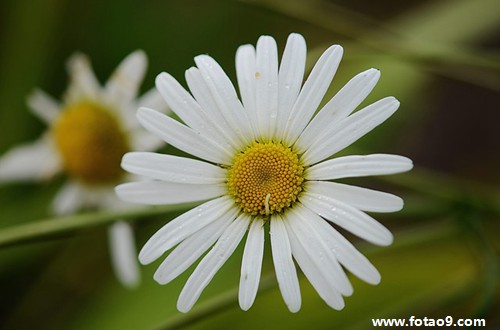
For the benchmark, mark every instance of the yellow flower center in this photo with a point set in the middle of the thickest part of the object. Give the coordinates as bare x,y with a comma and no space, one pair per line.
91,143
265,178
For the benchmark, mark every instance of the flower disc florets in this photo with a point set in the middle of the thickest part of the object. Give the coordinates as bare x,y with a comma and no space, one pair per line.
91,143
265,178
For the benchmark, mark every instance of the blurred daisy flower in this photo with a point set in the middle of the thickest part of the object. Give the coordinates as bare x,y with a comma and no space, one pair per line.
265,159
88,133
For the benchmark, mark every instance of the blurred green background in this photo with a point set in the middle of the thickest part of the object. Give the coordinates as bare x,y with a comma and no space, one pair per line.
441,59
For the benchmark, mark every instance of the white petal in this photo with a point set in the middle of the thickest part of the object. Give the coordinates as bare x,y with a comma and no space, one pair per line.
152,99
126,114
35,161
251,265
314,274
183,226
225,97
68,199
348,217
92,196
291,74
212,262
167,193
182,137
351,129
108,199
189,250
339,107
283,264
355,166
172,168
123,85
266,85
313,92
83,82
188,110
142,140
245,73
44,106
346,253
361,198
205,99
123,254
324,261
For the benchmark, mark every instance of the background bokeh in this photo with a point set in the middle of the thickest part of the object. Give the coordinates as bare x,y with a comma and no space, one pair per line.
441,59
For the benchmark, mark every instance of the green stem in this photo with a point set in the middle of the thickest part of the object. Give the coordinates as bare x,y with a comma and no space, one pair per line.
229,299
399,39
213,306
442,189
479,196
490,263
50,227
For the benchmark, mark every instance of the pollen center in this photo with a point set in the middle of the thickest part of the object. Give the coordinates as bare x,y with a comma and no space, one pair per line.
265,178
91,143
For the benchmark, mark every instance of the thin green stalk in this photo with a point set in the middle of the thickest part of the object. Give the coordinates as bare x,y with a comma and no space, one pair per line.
65,225
448,190
229,299
218,304
405,39
478,196
490,262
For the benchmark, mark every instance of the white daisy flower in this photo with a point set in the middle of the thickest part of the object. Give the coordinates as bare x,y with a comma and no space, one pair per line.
265,159
87,135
